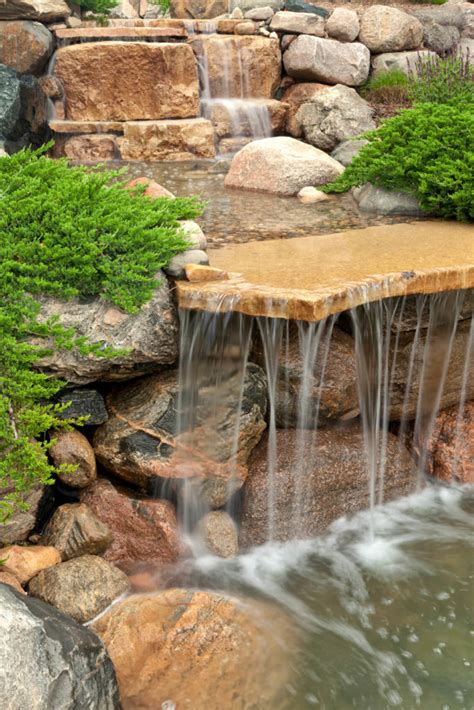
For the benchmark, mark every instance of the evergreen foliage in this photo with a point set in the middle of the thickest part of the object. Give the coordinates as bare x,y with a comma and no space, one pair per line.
427,151
65,232
101,7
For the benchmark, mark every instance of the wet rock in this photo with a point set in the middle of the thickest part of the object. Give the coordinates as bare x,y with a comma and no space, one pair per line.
12,581
219,533
347,150
25,562
152,190
181,139
175,645
167,76
72,448
41,10
451,445
294,97
333,398
343,25
144,531
387,29
150,336
49,661
197,9
262,59
51,86
10,101
298,23
25,46
281,166
440,38
319,476
22,523
308,195
139,442
328,61
333,116
225,118
74,531
387,202
81,588
34,112
176,267
92,148
403,61
83,403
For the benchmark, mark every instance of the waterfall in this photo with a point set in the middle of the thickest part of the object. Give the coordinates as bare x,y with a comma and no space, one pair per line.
402,347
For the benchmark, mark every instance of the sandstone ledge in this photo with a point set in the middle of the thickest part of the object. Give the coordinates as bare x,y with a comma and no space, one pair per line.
310,278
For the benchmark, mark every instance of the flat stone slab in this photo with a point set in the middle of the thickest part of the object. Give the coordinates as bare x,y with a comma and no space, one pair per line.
82,34
310,278
87,126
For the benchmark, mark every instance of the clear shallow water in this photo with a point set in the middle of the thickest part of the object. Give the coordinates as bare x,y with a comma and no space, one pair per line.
384,621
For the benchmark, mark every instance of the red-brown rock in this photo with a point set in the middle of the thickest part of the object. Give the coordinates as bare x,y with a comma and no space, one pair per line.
25,46
319,476
25,562
72,448
145,531
451,446
152,190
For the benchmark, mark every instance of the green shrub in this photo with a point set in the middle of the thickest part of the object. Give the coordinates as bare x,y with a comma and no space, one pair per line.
428,151
442,79
100,7
65,232
164,5
387,87
431,2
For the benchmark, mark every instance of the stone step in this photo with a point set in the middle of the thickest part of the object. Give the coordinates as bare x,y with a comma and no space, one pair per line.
74,127
245,117
223,26
89,34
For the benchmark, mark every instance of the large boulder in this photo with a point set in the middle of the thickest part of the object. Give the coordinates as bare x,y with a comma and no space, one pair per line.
343,25
74,531
150,337
144,530
312,393
281,166
25,46
450,15
49,661
347,150
224,57
296,95
81,588
73,449
41,10
327,60
387,202
186,647
387,29
140,444
298,23
10,101
153,81
333,116
23,521
318,477
440,38
407,62
450,448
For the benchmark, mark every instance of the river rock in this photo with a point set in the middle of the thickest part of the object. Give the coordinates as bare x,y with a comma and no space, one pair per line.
194,234
309,195
403,61
73,449
186,647
388,202
25,562
246,27
298,23
281,166
259,14
49,661
328,61
319,476
177,139
451,445
225,55
166,73
144,530
139,443
343,25
151,336
347,150
177,266
440,38
87,403
22,523
10,101
42,10
294,97
25,46
219,533
333,116
74,531
81,588
387,29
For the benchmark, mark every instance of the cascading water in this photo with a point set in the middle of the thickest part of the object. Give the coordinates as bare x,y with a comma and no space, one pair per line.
382,600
